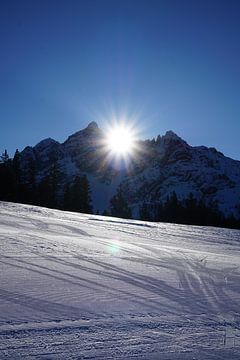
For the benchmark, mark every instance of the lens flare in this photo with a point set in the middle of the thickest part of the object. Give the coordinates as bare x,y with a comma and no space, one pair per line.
113,247
120,140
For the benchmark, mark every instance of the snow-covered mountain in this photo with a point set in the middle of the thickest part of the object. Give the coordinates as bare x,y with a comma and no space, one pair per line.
78,286
161,166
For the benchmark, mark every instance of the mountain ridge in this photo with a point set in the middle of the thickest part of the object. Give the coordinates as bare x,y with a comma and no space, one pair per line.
162,166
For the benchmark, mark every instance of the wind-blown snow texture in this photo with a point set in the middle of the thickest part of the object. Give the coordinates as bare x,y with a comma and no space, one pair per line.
76,286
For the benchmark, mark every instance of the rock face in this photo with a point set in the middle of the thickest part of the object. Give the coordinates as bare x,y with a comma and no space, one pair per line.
162,166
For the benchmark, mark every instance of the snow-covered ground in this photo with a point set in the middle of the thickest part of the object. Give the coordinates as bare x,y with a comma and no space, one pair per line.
76,286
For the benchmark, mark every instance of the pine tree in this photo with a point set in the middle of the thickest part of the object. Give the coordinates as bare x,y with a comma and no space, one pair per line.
7,179
119,206
4,157
144,212
16,165
17,174
77,197
48,188
86,195
55,177
45,193
28,188
67,198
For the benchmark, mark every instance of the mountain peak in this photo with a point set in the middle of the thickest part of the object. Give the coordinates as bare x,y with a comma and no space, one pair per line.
45,143
92,125
91,130
171,135
162,166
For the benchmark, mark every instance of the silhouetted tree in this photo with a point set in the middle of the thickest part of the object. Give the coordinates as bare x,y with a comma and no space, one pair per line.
17,175
67,198
145,213
48,188
28,187
7,179
119,206
4,157
189,211
16,165
77,197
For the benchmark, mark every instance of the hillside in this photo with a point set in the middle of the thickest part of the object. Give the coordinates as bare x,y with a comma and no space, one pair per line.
78,286
159,168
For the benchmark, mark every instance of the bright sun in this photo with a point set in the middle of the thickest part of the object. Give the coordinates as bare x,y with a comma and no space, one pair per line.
120,140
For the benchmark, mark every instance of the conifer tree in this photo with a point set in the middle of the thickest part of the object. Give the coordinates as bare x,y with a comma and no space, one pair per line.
17,174
67,198
48,188
7,179
4,157
77,197
119,206
28,188
144,212
16,166
86,195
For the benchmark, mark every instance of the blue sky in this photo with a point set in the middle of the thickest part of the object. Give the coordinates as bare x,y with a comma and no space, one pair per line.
171,65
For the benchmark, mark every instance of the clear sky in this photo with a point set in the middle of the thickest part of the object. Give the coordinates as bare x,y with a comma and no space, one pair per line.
173,65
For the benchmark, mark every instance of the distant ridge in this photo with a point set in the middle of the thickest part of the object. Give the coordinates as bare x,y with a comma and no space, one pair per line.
163,166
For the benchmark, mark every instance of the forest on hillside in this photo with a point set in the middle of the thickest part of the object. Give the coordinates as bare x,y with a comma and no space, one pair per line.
16,186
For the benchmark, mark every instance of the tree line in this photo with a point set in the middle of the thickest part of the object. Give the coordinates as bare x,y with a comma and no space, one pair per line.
18,185
190,211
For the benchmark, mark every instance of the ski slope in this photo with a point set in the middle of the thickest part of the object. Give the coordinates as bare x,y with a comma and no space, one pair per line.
77,286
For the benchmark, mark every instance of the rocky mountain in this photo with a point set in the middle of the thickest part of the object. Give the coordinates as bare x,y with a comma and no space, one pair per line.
160,167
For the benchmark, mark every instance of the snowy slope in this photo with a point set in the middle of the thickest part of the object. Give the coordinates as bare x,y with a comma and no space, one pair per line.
76,286
172,165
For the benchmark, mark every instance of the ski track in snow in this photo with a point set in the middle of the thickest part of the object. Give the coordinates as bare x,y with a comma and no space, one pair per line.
77,286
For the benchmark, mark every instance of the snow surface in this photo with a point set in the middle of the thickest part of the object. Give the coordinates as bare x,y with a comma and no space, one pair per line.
77,286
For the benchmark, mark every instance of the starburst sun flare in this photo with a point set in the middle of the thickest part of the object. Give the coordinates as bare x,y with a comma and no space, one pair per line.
120,140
